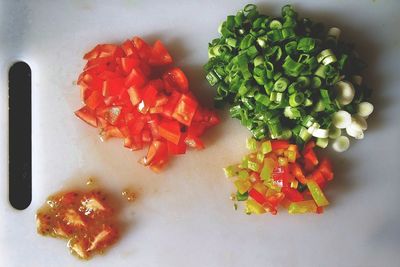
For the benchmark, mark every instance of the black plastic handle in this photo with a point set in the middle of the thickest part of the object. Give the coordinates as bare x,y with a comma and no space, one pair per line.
20,132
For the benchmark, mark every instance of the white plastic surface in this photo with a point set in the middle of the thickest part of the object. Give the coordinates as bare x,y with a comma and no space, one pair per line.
183,217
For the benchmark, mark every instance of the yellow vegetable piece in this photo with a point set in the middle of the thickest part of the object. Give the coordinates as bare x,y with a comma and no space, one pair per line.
253,207
317,193
242,185
302,207
260,187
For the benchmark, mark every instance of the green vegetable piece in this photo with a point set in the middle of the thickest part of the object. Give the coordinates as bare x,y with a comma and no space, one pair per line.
242,197
266,147
243,174
317,193
254,166
231,171
266,171
281,84
251,144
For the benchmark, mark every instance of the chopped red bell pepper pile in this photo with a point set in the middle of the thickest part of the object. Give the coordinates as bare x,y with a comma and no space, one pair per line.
131,91
276,173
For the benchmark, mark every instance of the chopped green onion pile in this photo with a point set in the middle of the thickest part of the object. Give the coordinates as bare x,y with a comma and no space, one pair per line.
288,78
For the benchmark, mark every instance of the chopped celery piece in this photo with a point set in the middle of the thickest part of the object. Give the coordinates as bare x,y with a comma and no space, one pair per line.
254,166
242,186
253,207
266,147
251,144
317,193
231,171
243,174
267,169
302,207
291,156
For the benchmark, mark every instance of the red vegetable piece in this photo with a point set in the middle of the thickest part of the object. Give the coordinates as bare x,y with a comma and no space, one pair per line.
128,48
157,153
178,149
279,144
194,142
170,130
325,167
135,78
309,155
196,129
169,107
185,110
144,50
257,196
149,98
94,53
127,63
112,87
175,79
94,100
292,194
87,115
134,95
159,55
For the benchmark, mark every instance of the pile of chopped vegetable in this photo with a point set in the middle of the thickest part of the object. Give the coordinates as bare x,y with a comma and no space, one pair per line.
131,91
277,173
289,78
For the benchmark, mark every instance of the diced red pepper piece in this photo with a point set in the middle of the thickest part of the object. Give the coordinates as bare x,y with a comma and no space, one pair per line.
257,196
325,167
128,63
159,55
134,95
149,98
178,149
185,110
296,170
175,79
279,144
112,87
87,115
194,142
292,194
94,100
170,130
128,48
309,155
94,53
196,129
135,78
169,107
144,50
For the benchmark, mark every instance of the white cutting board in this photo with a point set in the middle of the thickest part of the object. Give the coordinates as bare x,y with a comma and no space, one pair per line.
183,217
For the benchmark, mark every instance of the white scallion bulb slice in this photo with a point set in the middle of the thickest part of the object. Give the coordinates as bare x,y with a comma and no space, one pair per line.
341,144
359,122
334,32
345,92
334,132
321,133
364,109
355,131
341,119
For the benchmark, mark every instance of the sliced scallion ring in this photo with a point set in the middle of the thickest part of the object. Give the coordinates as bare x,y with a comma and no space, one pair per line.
364,109
341,119
341,144
345,92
